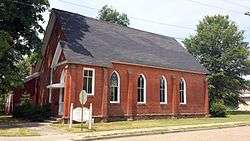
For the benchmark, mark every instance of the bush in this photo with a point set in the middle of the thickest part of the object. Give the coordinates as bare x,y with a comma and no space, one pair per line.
32,112
218,109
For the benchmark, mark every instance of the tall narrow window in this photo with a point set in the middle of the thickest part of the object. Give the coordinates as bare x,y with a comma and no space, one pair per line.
182,91
89,80
114,88
163,90
141,89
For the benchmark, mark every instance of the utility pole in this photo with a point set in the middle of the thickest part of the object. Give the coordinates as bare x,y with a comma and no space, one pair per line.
247,13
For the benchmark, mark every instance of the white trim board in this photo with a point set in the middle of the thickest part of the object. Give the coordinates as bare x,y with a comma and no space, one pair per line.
56,55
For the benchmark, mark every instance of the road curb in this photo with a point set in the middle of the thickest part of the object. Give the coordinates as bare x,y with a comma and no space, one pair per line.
161,131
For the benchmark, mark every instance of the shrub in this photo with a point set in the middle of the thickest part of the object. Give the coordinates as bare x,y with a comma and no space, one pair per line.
31,112
218,109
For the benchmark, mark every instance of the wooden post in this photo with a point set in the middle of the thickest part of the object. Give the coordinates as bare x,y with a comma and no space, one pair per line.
90,116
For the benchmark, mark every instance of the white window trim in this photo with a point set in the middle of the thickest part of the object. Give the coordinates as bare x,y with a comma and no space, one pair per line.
50,97
145,89
93,80
118,91
56,56
62,77
166,90
184,92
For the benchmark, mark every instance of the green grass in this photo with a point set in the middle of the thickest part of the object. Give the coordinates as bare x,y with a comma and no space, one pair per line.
13,127
17,132
119,125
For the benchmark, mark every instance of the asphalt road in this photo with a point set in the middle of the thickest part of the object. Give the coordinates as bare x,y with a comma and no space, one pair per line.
226,134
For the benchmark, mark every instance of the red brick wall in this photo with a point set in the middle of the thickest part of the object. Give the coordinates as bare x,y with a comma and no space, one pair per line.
195,84
29,88
43,92
74,85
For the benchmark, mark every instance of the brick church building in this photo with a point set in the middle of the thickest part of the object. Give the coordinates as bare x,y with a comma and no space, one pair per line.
127,73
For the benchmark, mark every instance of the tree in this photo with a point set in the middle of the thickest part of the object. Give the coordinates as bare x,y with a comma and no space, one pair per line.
218,45
111,15
19,29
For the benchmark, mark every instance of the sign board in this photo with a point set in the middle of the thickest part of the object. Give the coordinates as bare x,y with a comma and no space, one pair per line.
77,113
83,97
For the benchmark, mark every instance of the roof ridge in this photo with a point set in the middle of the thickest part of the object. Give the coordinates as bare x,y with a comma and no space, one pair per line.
106,22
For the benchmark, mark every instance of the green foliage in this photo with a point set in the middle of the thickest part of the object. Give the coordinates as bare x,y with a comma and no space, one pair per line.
31,112
19,29
111,15
218,45
6,43
218,109
24,66
2,103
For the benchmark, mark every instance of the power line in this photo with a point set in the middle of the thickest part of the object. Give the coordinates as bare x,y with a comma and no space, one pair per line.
180,38
177,26
140,19
145,20
214,6
78,5
193,1
234,3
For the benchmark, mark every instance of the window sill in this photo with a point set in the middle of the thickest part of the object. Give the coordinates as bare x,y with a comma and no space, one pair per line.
141,103
163,103
183,103
90,94
114,102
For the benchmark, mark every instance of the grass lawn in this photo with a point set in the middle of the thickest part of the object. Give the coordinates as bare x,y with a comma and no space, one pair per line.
156,123
17,132
12,127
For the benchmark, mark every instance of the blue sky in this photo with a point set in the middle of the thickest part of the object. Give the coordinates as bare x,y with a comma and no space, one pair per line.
184,13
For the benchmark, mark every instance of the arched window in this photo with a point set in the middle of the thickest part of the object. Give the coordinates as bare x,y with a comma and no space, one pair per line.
141,89
182,91
163,90
115,88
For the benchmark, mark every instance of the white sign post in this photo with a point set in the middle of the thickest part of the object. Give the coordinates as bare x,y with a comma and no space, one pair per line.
82,99
81,114
90,115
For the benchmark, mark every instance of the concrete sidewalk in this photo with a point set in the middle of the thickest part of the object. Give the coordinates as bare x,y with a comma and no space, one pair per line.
51,134
46,133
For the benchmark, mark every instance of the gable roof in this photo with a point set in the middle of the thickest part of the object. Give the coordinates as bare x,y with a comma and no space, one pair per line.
94,42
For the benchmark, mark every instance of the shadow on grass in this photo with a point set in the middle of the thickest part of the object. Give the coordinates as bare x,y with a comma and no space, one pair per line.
8,122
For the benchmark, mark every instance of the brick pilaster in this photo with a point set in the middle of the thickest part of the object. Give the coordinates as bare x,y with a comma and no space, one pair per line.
67,91
206,101
131,103
174,95
105,98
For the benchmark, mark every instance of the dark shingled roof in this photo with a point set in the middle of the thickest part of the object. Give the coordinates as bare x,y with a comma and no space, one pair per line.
94,42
